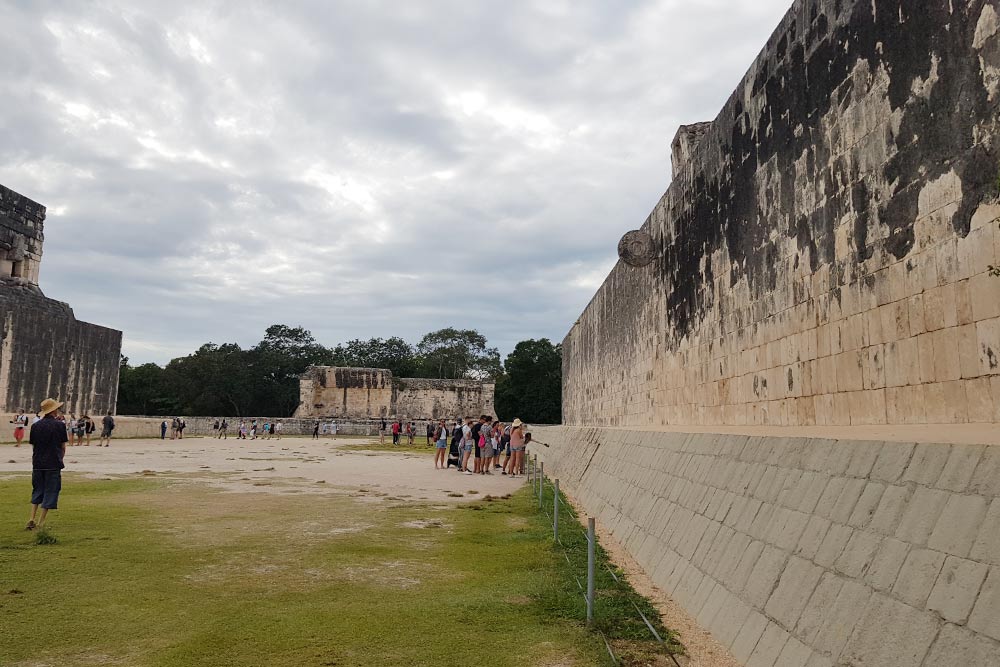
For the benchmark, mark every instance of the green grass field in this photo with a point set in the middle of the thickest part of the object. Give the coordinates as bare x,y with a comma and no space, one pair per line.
156,573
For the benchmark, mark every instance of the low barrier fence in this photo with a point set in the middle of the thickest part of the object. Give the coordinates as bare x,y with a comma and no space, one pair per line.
543,488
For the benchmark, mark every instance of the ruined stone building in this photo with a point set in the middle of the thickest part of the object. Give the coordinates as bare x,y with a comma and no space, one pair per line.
373,393
738,394
44,350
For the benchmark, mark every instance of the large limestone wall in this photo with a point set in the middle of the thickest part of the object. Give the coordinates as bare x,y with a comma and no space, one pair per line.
798,552
825,242
372,393
46,352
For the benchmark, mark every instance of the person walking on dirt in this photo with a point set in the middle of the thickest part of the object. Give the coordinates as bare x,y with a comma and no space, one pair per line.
316,431
20,422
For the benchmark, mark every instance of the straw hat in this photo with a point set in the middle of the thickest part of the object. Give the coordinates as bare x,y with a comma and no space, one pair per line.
50,405
516,423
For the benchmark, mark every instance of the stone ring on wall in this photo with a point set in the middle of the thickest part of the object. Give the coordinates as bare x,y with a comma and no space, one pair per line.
636,248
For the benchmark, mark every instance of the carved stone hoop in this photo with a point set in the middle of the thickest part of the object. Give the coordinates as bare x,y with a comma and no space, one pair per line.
636,248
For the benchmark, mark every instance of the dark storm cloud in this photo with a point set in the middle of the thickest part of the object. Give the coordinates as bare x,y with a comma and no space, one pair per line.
361,169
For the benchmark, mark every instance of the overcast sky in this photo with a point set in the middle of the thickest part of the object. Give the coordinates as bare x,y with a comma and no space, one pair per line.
368,168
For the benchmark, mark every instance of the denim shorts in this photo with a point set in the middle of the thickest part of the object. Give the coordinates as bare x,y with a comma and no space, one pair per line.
467,448
442,444
45,487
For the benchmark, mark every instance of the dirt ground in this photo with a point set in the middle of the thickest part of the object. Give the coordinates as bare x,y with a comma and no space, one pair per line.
298,465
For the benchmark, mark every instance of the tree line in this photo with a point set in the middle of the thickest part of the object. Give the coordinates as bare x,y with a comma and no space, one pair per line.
226,379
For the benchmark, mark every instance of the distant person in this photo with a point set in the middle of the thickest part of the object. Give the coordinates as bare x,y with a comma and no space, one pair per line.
396,427
316,430
71,428
81,430
440,435
467,445
181,425
109,427
174,427
253,430
381,431
90,429
48,442
20,421
163,430
277,429
224,429
215,426
430,431
517,444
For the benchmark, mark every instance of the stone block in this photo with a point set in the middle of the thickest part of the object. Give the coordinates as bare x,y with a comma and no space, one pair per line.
866,505
917,577
890,633
985,616
987,545
748,636
842,618
794,654
959,524
859,553
927,463
812,537
833,544
885,567
769,647
794,589
741,574
764,576
956,589
921,515
817,609
962,648
893,460
986,478
988,337
890,509
727,623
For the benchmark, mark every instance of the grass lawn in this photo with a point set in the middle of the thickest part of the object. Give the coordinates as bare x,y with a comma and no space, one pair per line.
149,572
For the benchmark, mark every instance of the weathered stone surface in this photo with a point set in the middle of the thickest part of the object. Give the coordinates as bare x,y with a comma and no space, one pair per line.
372,393
44,350
957,588
823,248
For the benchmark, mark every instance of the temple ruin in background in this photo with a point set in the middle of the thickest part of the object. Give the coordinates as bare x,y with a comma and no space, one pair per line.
373,393
44,350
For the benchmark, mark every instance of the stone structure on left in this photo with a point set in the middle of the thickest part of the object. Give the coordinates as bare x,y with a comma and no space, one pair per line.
44,350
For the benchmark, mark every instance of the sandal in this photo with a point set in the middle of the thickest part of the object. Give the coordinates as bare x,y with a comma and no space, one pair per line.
30,526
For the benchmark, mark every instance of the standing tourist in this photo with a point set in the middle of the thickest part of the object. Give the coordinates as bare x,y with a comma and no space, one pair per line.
516,447
215,426
90,428
109,427
81,430
440,436
467,445
430,430
395,432
20,422
48,443
224,429
181,425
381,431
316,430
267,430
71,428
163,430
277,429
253,430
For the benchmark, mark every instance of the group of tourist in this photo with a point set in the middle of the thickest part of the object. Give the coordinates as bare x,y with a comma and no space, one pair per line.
78,429
177,426
399,430
484,442
248,430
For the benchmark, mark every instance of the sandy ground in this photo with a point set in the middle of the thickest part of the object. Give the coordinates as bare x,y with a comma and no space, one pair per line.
275,466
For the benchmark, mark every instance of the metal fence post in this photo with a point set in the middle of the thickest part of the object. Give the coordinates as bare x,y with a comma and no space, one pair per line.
555,514
541,485
591,540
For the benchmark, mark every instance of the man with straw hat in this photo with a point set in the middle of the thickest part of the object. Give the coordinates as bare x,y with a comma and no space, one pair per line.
48,442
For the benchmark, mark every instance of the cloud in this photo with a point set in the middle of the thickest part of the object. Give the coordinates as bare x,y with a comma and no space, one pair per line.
360,169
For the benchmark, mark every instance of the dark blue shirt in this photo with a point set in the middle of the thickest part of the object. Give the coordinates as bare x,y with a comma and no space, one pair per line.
47,438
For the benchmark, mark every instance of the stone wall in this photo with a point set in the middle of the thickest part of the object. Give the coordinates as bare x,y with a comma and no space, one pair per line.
372,393
823,249
44,350
798,552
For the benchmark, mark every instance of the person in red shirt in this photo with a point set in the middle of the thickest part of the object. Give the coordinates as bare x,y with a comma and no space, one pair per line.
395,432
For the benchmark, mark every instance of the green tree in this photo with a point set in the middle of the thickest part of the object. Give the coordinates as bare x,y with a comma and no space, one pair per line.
275,365
393,353
531,386
215,380
142,390
457,353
